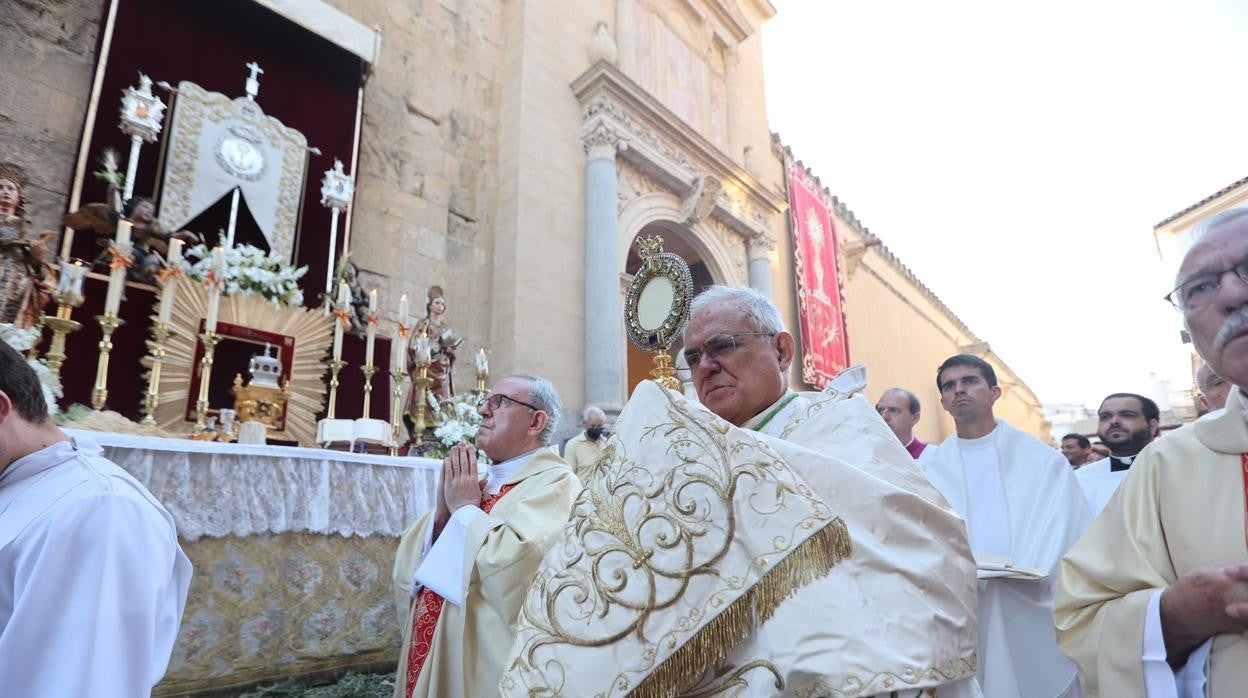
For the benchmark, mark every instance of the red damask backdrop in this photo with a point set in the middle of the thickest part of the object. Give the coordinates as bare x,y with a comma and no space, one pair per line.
825,347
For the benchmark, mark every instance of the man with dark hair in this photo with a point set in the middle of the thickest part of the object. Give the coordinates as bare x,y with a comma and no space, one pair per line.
1023,509
1077,448
900,410
1127,422
92,581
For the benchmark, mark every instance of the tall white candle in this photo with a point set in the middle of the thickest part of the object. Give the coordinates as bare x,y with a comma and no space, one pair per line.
398,347
169,287
77,276
343,305
483,361
370,332
214,291
117,277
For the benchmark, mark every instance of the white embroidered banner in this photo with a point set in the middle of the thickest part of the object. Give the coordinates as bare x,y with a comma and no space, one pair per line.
217,144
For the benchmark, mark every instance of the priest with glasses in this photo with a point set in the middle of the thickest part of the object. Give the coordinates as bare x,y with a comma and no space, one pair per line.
461,571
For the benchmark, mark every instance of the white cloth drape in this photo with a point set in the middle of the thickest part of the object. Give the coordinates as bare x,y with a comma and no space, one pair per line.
215,489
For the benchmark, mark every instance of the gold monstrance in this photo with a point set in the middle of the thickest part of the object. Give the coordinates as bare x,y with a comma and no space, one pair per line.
657,306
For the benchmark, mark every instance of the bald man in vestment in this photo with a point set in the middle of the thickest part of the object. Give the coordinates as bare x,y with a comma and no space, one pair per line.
461,571
1153,600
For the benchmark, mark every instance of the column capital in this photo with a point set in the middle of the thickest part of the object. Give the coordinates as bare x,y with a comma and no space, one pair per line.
601,140
760,245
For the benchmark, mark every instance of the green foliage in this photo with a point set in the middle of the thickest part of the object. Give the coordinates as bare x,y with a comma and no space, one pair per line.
352,685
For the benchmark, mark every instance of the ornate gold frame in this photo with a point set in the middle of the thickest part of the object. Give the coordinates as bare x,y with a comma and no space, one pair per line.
658,264
312,331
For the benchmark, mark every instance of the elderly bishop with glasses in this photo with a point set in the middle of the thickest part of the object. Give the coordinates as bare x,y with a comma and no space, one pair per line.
462,570
1153,600
764,542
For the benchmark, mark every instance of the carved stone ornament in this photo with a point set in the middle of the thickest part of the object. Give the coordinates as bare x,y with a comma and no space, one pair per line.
853,251
760,246
701,201
600,140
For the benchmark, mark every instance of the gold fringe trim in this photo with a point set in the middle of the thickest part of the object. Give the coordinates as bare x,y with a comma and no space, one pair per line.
811,560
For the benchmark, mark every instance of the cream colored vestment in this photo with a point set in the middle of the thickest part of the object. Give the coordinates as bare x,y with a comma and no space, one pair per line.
581,454
1180,508
502,552
706,559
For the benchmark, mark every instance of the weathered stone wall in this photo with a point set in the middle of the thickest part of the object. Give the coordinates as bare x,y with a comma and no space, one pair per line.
424,211
47,61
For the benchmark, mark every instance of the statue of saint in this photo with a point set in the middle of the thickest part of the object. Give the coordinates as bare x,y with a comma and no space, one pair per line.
26,279
442,345
151,240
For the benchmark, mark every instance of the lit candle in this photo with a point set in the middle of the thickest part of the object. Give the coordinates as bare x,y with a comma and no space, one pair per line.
422,348
214,291
343,305
399,345
117,276
77,276
169,287
483,361
370,332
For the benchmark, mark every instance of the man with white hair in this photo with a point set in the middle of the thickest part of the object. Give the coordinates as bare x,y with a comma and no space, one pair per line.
461,571
1213,389
1153,600
584,449
764,542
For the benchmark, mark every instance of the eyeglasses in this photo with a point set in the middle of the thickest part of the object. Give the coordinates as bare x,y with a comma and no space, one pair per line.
497,401
719,347
1200,291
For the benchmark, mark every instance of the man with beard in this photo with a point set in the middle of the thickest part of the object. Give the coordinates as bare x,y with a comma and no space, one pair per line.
1127,423
1153,601
1023,509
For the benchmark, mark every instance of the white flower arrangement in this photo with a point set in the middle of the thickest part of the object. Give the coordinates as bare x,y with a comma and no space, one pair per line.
459,423
250,270
22,339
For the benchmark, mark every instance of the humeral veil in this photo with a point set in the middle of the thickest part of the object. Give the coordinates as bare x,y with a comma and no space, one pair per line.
702,558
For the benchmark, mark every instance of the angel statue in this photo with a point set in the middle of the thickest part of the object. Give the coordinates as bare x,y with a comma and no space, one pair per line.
26,278
442,342
151,240
348,273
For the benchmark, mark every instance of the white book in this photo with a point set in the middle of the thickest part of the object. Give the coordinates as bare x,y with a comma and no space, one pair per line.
373,431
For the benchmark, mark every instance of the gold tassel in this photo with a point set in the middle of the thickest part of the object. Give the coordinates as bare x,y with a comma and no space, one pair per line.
814,558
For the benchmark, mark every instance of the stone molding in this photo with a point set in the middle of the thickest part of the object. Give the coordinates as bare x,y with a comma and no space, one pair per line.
619,113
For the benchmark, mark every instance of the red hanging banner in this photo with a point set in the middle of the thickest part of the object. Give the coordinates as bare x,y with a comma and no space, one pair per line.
825,348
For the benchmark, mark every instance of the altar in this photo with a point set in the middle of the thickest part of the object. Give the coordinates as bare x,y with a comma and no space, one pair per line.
292,550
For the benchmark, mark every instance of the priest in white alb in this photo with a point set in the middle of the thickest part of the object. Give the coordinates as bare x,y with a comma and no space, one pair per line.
1153,601
1023,511
766,543
92,580
461,570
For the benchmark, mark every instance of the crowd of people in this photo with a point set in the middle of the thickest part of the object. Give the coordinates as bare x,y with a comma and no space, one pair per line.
844,552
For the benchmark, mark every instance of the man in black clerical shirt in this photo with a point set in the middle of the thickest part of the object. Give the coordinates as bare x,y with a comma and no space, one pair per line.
1126,424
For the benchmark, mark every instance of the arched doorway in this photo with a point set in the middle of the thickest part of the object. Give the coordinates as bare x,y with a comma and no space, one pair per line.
677,240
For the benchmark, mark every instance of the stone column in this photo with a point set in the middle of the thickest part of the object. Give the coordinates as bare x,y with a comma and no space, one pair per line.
760,247
604,316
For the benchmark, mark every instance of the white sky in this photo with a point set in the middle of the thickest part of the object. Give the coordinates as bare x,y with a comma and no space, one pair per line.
1017,155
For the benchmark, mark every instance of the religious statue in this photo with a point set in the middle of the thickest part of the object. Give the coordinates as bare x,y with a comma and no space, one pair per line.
350,275
151,241
26,279
442,345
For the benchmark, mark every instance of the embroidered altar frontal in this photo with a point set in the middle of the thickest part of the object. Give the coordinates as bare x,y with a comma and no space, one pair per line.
292,550
825,348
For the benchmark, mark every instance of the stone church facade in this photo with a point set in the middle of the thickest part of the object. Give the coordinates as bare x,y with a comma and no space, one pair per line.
511,152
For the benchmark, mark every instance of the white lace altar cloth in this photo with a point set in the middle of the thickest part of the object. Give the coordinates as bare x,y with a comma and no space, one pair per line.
217,489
